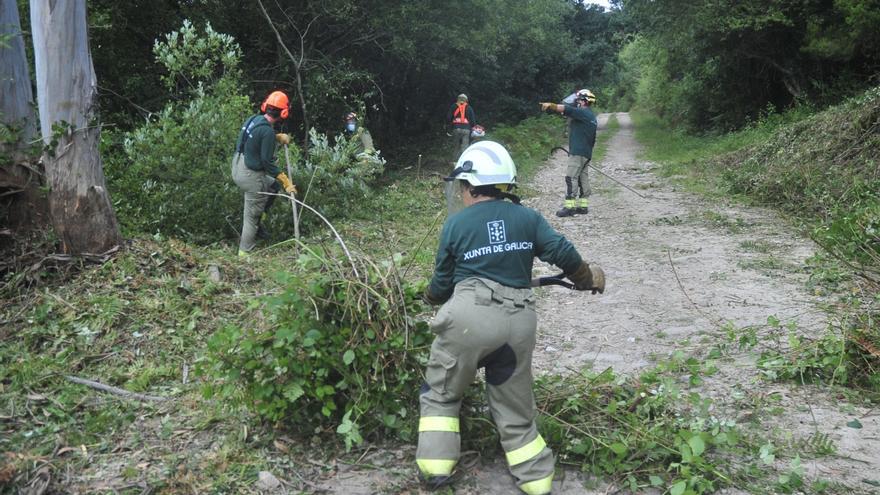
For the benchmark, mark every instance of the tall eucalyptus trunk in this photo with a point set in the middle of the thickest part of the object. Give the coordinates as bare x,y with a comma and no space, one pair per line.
79,204
19,174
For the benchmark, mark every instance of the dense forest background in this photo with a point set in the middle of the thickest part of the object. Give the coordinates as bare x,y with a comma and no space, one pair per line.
709,64
176,78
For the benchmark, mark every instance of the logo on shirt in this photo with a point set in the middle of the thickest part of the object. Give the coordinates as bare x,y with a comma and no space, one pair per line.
496,232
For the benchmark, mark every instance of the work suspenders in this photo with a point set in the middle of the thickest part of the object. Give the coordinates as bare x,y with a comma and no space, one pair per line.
246,133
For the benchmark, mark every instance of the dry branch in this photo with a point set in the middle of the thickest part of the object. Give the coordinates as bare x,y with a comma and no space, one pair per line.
115,390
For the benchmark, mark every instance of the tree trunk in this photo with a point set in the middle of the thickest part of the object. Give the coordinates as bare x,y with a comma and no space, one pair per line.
79,204
17,101
19,180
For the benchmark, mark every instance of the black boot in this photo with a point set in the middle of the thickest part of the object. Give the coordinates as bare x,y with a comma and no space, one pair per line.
581,210
432,483
565,212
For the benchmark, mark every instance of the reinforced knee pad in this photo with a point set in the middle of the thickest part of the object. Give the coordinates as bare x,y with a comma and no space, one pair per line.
500,365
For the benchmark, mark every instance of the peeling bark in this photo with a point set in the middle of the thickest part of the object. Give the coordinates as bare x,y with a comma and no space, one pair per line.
79,204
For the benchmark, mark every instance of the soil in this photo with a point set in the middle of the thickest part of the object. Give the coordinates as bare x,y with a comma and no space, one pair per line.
680,270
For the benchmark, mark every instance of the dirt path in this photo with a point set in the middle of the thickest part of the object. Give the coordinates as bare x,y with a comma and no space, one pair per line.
678,268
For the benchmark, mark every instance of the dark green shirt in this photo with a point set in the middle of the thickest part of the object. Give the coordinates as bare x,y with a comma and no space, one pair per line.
497,240
582,133
259,145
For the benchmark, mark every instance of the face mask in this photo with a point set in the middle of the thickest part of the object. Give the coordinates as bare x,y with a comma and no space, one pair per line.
350,127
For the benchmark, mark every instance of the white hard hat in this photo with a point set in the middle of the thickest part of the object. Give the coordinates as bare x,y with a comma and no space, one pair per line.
587,95
485,163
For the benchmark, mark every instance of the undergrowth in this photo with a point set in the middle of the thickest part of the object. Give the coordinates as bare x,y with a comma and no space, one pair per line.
342,351
305,353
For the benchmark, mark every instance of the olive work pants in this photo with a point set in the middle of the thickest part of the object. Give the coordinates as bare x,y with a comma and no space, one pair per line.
253,183
577,182
484,325
462,139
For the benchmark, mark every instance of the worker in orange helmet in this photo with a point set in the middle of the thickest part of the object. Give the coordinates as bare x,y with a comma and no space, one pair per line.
253,164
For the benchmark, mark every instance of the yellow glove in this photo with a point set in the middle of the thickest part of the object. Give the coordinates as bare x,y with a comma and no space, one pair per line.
282,138
547,107
285,183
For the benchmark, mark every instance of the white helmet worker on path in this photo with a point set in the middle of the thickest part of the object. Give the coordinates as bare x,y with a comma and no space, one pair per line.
581,141
482,277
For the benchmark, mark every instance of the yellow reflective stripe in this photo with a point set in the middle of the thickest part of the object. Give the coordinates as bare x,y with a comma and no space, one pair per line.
526,452
570,203
538,487
438,423
436,467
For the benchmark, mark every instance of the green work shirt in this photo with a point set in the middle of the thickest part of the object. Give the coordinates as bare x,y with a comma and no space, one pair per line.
259,145
497,240
582,132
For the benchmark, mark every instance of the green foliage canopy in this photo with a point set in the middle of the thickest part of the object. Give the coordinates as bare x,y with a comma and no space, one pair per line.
717,63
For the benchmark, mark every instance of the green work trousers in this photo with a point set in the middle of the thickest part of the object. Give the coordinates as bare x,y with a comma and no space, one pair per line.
253,183
577,182
461,139
484,325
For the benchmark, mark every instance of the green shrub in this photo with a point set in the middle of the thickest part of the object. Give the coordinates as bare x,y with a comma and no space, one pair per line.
333,180
175,177
337,352
173,174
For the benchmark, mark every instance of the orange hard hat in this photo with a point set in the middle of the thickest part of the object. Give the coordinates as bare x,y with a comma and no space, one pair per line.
277,99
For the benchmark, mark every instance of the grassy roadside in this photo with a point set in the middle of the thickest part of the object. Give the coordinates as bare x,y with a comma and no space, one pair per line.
820,169
688,158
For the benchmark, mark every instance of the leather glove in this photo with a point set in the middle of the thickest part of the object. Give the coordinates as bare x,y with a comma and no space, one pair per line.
548,107
430,298
588,278
285,183
282,138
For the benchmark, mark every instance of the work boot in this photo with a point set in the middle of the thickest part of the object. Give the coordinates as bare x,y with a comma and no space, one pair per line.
432,483
581,210
566,212
569,208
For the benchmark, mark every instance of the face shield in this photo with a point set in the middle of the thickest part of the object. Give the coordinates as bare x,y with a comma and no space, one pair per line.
454,199
453,188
